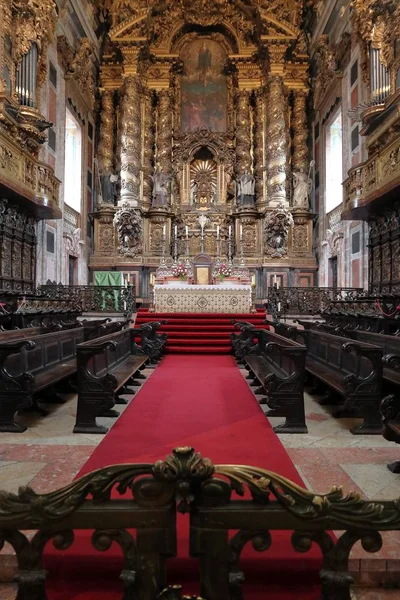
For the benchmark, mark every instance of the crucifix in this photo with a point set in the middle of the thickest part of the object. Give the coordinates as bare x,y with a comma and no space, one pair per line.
202,220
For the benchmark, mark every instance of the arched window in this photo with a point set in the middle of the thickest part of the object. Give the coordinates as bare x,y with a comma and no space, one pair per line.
334,163
73,163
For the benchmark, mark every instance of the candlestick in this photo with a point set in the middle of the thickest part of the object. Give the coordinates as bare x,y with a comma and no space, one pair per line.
164,230
187,232
176,230
241,231
230,231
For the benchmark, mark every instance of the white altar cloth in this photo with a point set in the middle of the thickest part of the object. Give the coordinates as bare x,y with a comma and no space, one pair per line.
186,298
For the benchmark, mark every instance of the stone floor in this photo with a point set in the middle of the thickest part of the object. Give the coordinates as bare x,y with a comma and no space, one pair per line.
48,456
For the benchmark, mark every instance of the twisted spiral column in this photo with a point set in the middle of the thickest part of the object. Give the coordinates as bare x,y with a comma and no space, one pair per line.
259,152
164,131
243,137
130,142
148,146
278,142
106,140
300,148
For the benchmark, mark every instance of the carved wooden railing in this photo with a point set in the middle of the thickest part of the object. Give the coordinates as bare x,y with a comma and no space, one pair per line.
306,301
91,298
218,499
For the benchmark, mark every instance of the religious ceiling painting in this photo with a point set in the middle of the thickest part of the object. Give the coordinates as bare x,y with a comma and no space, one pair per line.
204,86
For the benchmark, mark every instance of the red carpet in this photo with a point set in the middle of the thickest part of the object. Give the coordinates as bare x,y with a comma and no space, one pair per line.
199,333
204,402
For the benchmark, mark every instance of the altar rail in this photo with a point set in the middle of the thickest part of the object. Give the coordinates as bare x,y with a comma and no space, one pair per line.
93,298
209,494
307,301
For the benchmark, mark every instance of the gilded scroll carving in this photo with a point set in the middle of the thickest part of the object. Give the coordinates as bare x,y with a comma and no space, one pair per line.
326,68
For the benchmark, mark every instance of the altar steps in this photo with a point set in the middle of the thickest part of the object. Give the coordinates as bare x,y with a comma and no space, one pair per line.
199,333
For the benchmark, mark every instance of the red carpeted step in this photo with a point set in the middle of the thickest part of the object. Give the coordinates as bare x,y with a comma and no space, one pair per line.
201,333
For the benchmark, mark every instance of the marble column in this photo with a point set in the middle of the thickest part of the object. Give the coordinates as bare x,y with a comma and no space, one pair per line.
164,131
148,146
300,131
243,133
130,142
259,152
277,142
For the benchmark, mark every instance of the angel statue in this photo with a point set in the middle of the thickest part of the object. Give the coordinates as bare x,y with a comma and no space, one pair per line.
302,187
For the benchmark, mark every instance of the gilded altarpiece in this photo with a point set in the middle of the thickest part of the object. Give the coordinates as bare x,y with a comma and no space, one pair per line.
200,83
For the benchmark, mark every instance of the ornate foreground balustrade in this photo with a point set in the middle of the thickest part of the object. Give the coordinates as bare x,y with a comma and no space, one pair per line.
307,301
219,500
92,298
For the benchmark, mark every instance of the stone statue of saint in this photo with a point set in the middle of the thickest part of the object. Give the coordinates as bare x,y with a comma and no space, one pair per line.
302,185
109,188
246,189
160,187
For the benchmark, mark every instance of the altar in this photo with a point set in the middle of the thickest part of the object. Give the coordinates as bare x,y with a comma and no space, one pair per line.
186,298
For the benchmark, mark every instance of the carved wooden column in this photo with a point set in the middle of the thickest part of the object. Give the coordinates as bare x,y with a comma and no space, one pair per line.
300,148
130,141
164,131
243,134
148,147
277,141
259,151
106,139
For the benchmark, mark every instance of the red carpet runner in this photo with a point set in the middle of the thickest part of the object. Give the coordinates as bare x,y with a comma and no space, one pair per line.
203,402
199,333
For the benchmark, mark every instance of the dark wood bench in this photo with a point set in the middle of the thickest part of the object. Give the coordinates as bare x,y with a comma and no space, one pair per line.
278,365
105,367
101,327
390,345
353,369
29,366
390,411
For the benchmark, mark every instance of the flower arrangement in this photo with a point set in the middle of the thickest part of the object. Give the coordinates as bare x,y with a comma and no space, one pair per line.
180,271
224,271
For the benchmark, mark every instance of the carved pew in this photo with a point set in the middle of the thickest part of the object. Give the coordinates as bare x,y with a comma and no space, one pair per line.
152,343
353,369
278,365
29,366
244,341
105,367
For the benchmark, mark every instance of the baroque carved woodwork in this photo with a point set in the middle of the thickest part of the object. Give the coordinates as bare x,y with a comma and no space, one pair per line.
205,97
277,224
129,225
17,249
384,244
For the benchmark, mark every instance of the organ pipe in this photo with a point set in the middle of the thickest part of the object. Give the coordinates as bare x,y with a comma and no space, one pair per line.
380,78
27,76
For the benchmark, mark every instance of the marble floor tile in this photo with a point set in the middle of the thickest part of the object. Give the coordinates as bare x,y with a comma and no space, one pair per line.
372,478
